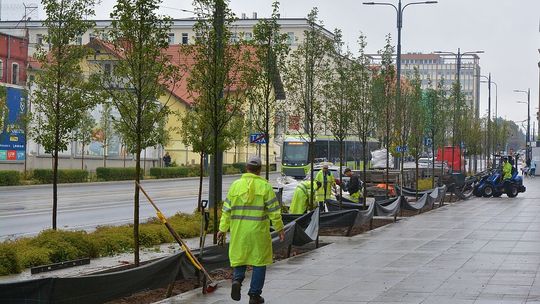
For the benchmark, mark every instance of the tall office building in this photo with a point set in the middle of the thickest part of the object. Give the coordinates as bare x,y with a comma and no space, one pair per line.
435,67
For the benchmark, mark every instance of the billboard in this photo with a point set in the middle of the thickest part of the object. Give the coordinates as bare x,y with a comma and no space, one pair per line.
12,137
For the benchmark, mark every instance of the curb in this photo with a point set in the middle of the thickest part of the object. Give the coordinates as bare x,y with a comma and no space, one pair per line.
145,181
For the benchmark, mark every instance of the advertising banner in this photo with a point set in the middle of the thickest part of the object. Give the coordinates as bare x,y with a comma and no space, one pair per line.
12,137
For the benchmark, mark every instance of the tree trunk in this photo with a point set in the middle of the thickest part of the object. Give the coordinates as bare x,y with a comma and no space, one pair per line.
136,203
82,157
105,152
201,174
340,173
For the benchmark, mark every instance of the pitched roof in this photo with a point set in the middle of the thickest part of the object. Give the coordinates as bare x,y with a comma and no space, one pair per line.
183,57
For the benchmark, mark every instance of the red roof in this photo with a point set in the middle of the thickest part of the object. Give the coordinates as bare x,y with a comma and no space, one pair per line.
179,55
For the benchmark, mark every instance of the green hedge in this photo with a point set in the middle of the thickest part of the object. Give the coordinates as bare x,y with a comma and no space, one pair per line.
116,174
9,261
10,178
45,176
240,166
52,246
169,172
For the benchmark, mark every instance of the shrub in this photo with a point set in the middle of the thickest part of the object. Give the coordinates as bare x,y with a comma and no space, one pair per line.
52,246
32,256
169,172
45,176
10,178
194,171
111,240
65,245
240,166
9,261
116,174
229,169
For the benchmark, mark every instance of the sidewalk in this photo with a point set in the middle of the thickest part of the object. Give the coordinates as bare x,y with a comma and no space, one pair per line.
476,251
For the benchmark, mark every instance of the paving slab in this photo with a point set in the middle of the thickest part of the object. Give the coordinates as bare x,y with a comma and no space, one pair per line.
471,252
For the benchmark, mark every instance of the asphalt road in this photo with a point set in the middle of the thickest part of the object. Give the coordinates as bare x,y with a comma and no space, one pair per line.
27,210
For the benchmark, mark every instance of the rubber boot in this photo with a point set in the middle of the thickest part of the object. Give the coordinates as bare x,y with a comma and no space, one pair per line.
236,291
255,299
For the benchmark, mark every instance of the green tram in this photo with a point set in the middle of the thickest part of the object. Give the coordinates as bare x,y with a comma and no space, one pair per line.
295,153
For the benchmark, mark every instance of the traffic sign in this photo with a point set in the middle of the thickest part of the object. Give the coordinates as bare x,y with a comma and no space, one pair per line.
428,141
401,149
257,138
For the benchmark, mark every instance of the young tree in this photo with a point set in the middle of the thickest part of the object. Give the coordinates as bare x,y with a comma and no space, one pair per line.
339,94
384,100
363,105
105,124
142,73
306,78
196,133
270,51
62,93
238,135
417,117
217,79
83,133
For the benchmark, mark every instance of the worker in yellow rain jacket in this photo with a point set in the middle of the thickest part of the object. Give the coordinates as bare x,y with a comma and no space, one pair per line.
300,202
507,169
355,186
247,211
328,183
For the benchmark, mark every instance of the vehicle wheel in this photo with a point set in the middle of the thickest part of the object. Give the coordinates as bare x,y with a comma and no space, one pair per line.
497,194
512,191
488,191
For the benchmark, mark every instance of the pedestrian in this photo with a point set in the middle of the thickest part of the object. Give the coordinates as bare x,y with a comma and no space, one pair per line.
167,159
532,170
247,211
326,178
301,198
354,185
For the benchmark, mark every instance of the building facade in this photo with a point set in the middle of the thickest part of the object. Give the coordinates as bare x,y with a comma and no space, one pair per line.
181,33
13,59
434,68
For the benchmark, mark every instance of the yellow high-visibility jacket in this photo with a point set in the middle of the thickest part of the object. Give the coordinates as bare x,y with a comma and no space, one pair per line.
300,200
330,182
507,170
247,211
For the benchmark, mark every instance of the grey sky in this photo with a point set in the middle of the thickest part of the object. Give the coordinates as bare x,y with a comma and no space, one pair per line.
508,32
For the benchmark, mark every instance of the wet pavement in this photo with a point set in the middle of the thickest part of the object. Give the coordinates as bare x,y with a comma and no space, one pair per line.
476,251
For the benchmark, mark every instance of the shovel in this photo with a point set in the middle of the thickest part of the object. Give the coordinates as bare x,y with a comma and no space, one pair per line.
191,257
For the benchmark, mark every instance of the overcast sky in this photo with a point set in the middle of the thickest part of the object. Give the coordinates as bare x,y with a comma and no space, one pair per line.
507,30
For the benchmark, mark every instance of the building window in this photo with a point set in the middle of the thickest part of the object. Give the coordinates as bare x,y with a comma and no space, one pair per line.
248,36
1,70
290,38
171,38
78,40
107,69
15,73
39,39
234,37
91,36
185,38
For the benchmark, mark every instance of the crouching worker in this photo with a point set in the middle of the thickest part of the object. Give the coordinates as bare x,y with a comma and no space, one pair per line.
301,198
247,211
354,187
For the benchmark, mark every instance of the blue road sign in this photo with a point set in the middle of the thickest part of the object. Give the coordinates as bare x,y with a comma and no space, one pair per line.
428,141
401,149
257,138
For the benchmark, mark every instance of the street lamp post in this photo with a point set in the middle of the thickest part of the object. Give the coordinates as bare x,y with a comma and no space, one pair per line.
458,57
495,141
528,136
491,139
399,10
